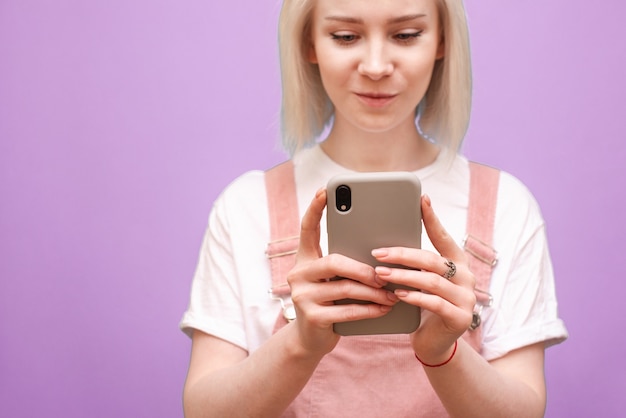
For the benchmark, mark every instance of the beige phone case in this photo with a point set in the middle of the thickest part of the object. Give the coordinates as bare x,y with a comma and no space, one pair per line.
383,211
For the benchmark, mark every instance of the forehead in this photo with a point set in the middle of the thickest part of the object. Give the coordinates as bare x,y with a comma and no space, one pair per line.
375,10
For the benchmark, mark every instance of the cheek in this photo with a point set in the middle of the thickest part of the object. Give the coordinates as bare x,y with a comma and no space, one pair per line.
334,69
335,61
417,80
420,71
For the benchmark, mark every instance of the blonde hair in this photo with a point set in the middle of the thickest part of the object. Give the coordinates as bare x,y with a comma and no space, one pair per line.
306,109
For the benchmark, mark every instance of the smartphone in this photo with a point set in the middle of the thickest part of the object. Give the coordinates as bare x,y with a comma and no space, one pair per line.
373,210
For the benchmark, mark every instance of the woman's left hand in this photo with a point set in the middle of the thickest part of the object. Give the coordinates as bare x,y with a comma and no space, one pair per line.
447,304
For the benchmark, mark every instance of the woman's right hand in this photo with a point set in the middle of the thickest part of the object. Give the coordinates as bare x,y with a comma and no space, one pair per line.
313,293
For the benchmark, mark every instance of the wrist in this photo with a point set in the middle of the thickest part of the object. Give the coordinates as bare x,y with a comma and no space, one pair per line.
441,361
298,349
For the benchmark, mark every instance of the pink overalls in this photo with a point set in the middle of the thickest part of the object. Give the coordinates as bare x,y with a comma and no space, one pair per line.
378,375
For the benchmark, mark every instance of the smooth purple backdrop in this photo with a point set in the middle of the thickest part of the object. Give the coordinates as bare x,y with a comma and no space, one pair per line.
121,121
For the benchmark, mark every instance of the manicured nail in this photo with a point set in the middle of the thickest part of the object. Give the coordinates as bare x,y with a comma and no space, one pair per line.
383,271
381,282
392,297
380,252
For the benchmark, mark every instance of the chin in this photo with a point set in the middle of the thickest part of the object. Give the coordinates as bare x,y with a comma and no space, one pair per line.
378,128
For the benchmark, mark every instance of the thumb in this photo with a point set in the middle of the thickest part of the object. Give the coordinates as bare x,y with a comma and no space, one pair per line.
437,234
309,246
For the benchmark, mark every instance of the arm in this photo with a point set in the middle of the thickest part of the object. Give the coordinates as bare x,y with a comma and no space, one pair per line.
511,386
468,385
223,380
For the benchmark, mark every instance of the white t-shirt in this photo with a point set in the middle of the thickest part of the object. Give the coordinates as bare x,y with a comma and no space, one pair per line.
229,295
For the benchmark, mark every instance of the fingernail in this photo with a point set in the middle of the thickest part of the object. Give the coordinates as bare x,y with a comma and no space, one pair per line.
380,252
383,271
401,293
427,200
392,297
381,282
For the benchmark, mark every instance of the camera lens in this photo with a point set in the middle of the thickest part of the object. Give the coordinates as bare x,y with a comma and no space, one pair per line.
343,198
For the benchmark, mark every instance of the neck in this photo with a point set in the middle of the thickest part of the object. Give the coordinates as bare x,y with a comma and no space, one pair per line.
402,149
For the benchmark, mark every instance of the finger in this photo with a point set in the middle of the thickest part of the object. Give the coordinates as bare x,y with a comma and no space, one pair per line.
429,282
427,270
309,246
437,234
414,258
343,313
335,265
341,289
456,318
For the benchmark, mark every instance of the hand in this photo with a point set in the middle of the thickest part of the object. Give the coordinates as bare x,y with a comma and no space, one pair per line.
447,304
313,293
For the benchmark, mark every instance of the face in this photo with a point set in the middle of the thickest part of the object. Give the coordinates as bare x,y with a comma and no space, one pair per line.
375,58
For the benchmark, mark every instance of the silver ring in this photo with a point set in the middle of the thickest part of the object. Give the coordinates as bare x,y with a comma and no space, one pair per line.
451,270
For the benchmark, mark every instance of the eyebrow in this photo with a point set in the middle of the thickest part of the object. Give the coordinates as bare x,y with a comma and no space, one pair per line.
400,19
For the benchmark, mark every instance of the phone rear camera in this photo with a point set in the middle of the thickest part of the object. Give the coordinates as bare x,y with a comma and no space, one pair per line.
343,198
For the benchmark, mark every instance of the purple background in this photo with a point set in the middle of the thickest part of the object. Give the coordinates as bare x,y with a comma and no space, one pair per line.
120,122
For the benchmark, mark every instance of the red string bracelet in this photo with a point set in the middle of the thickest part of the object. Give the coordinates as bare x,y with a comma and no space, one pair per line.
456,343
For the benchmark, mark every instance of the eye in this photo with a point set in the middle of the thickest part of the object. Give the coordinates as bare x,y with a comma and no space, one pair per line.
344,38
407,37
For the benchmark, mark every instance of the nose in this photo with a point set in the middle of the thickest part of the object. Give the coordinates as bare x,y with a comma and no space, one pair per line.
375,63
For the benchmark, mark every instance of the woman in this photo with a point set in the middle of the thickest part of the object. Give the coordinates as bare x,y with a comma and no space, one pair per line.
365,69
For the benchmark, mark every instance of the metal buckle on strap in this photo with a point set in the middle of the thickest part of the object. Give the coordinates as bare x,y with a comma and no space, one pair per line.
485,301
270,256
282,253
289,311
480,250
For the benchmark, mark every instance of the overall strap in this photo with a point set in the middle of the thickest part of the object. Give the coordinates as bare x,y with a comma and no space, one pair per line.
282,204
481,214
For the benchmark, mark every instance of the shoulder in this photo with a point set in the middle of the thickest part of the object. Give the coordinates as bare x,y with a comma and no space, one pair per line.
247,190
243,202
515,200
518,215
511,190
244,187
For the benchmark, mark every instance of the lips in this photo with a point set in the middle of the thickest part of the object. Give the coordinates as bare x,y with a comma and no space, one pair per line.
375,99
